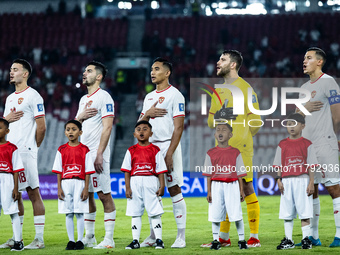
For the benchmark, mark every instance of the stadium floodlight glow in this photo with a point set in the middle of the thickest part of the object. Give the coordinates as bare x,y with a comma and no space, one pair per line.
202,5
222,5
279,4
214,5
121,5
234,4
330,2
154,5
307,3
290,6
208,11
320,3
110,1
252,9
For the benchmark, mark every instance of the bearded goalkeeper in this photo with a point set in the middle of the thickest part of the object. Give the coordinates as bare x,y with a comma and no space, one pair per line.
222,109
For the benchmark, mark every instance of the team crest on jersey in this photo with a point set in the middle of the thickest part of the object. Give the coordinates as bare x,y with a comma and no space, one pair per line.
313,93
161,99
20,100
88,104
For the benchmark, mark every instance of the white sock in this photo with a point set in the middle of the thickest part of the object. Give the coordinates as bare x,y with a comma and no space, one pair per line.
136,226
215,226
254,235
70,226
336,208
180,213
21,225
157,226
224,236
240,229
152,233
89,223
80,225
315,219
109,223
289,224
16,227
306,231
39,224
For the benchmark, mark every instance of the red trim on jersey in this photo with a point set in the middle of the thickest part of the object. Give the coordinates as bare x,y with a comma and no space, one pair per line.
163,89
93,93
39,116
89,220
317,79
56,172
211,113
125,170
178,201
39,224
165,171
252,203
22,90
111,115
109,220
250,113
182,115
93,172
19,170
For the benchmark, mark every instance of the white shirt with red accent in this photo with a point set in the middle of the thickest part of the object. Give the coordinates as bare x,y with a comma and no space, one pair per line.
294,156
319,125
170,99
144,161
22,132
10,160
73,162
92,127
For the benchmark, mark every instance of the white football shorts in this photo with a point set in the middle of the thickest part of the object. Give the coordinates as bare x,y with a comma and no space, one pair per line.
6,188
30,176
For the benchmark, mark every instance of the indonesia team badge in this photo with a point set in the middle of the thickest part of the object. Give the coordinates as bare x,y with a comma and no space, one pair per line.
161,99
20,100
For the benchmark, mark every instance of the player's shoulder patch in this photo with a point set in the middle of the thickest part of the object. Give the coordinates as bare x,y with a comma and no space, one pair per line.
109,107
40,107
181,107
254,99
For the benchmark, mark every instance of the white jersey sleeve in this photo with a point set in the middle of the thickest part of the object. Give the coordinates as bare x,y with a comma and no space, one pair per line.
107,108
17,162
38,106
277,158
126,165
160,163
333,92
240,165
89,165
207,170
178,106
311,155
57,165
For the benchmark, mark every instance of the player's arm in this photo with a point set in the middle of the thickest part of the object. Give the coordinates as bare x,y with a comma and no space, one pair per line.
128,191
240,184
160,191
175,139
153,112
14,116
335,109
209,199
310,188
104,139
15,193
41,129
85,193
256,123
61,194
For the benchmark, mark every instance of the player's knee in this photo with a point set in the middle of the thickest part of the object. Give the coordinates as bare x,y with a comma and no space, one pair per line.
174,190
334,191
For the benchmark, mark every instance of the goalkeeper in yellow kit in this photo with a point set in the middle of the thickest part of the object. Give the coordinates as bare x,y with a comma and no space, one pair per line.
228,67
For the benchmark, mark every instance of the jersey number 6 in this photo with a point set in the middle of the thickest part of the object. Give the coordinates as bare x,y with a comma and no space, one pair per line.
95,183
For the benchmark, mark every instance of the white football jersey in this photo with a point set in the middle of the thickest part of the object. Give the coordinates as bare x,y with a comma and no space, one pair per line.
22,132
170,99
92,127
319,125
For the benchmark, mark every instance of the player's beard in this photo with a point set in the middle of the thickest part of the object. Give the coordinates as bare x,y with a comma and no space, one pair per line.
89,83
224,72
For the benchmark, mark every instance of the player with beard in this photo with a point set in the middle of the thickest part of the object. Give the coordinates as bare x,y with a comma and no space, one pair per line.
96,113
227,67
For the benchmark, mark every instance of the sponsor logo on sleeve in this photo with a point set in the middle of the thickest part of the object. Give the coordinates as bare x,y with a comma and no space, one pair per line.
40,107
254,99
109,108
181,107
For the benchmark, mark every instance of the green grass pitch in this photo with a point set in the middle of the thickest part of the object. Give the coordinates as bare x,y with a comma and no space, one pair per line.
198,229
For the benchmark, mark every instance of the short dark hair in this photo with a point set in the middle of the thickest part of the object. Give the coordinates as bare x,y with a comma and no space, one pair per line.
143,122
165,63
297,117
5,122
235,56
25,65
75,122
227,124
99,67
320,53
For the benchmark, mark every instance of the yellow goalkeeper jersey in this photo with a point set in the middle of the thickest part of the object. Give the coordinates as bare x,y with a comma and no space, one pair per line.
242,133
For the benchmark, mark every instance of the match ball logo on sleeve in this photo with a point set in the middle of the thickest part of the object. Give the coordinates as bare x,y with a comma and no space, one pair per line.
109,108
181,107
40,107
